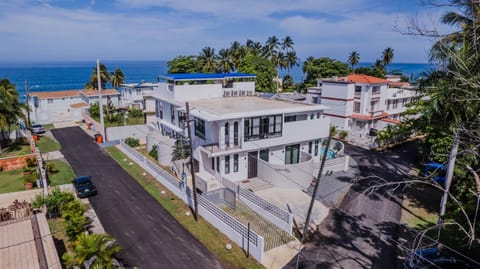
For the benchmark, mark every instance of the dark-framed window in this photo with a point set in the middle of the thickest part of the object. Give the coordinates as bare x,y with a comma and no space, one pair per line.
235,163
172,113
263,127
218,164
213,163
227,164
290,118
264,153
310,147
316,147
200,128
235,133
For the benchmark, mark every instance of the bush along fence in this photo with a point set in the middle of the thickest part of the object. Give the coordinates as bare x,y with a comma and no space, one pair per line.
228,225
281,218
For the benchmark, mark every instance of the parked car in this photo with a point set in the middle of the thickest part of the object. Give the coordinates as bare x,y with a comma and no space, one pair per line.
432,258
37,129
84,186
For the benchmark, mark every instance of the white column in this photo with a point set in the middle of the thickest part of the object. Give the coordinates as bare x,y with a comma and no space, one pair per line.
221,137
230,133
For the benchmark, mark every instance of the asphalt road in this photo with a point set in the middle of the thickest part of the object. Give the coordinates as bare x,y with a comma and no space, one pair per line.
150,236
363,231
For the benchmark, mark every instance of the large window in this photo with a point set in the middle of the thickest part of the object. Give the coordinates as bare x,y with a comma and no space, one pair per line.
358,90
376,90
263,127
200,128
159,109
316,147
235,163
172,113
292,154
227,164
310,147
356,107
235,133
264,154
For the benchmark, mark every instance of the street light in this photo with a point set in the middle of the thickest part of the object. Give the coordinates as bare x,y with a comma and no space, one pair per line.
27,90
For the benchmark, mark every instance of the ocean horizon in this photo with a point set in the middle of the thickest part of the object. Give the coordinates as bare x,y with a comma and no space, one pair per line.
71,75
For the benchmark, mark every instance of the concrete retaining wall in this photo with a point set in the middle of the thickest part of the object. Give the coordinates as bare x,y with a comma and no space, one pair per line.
121,132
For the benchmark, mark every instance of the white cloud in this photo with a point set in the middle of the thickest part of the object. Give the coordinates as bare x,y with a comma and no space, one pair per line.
141,29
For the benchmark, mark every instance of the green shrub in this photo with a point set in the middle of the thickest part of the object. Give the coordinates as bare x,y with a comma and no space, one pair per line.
135,113
132,142
30,178
74,222
55,201
154,152
343,134
31,162
52,168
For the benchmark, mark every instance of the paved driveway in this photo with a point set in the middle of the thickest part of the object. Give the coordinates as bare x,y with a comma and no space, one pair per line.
363,231
150,237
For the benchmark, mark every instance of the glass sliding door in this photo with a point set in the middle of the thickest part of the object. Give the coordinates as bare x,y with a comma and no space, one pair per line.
292,154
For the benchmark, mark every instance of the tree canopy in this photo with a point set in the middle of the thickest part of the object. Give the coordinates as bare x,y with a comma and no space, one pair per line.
323,67
263,68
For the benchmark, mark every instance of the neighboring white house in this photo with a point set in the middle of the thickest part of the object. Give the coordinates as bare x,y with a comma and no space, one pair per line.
57,106
139,95
359,103
237,135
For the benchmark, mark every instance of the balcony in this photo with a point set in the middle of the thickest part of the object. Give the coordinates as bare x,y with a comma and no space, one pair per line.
376,113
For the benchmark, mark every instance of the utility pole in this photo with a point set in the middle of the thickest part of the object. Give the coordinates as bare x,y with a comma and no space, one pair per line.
315,188
192,169
451,165
28,103
99,80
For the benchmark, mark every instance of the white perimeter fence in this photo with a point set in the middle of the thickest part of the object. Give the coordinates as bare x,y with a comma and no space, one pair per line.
227,224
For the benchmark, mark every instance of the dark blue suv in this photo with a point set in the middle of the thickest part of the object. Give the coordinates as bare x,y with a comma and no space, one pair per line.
434,258
84,186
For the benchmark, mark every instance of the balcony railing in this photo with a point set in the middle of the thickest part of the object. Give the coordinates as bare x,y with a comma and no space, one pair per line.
377,113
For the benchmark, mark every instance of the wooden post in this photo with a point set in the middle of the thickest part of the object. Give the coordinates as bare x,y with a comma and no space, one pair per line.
192,169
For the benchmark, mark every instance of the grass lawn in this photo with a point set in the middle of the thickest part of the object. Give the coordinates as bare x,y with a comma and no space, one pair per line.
64,175
48,126
15,149
208,235
46,144
11,181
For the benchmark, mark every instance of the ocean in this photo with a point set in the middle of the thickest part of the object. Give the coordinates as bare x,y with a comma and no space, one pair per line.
55,76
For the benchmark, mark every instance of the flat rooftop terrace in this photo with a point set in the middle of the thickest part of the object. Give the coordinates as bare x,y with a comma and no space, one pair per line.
245,106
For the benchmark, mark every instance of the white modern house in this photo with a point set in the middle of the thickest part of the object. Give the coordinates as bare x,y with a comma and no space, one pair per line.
358,103
57,106
238,135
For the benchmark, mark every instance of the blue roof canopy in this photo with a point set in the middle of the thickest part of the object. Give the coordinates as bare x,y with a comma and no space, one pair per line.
205,76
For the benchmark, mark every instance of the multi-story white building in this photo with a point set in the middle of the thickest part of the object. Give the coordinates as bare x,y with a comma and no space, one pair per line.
238,135
57,106
359,103
140,96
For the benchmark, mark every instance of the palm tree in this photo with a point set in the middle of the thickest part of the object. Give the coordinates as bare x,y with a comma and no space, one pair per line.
308,62
11,109
387,56
467,20
256,49
225,64
353,58
94,249
287,44
292,60
271,48
236,54
208,60
104,78
116,79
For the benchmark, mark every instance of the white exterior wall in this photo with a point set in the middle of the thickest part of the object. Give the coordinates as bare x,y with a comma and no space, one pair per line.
58,110
184,93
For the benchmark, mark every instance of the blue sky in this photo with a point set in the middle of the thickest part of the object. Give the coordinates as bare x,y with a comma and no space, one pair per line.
65,30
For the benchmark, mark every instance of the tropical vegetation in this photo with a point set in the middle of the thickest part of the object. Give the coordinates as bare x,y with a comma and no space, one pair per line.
83,248
11,110
450,113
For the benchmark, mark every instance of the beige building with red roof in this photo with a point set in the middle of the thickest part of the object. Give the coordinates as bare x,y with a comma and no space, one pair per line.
58,106
360,103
